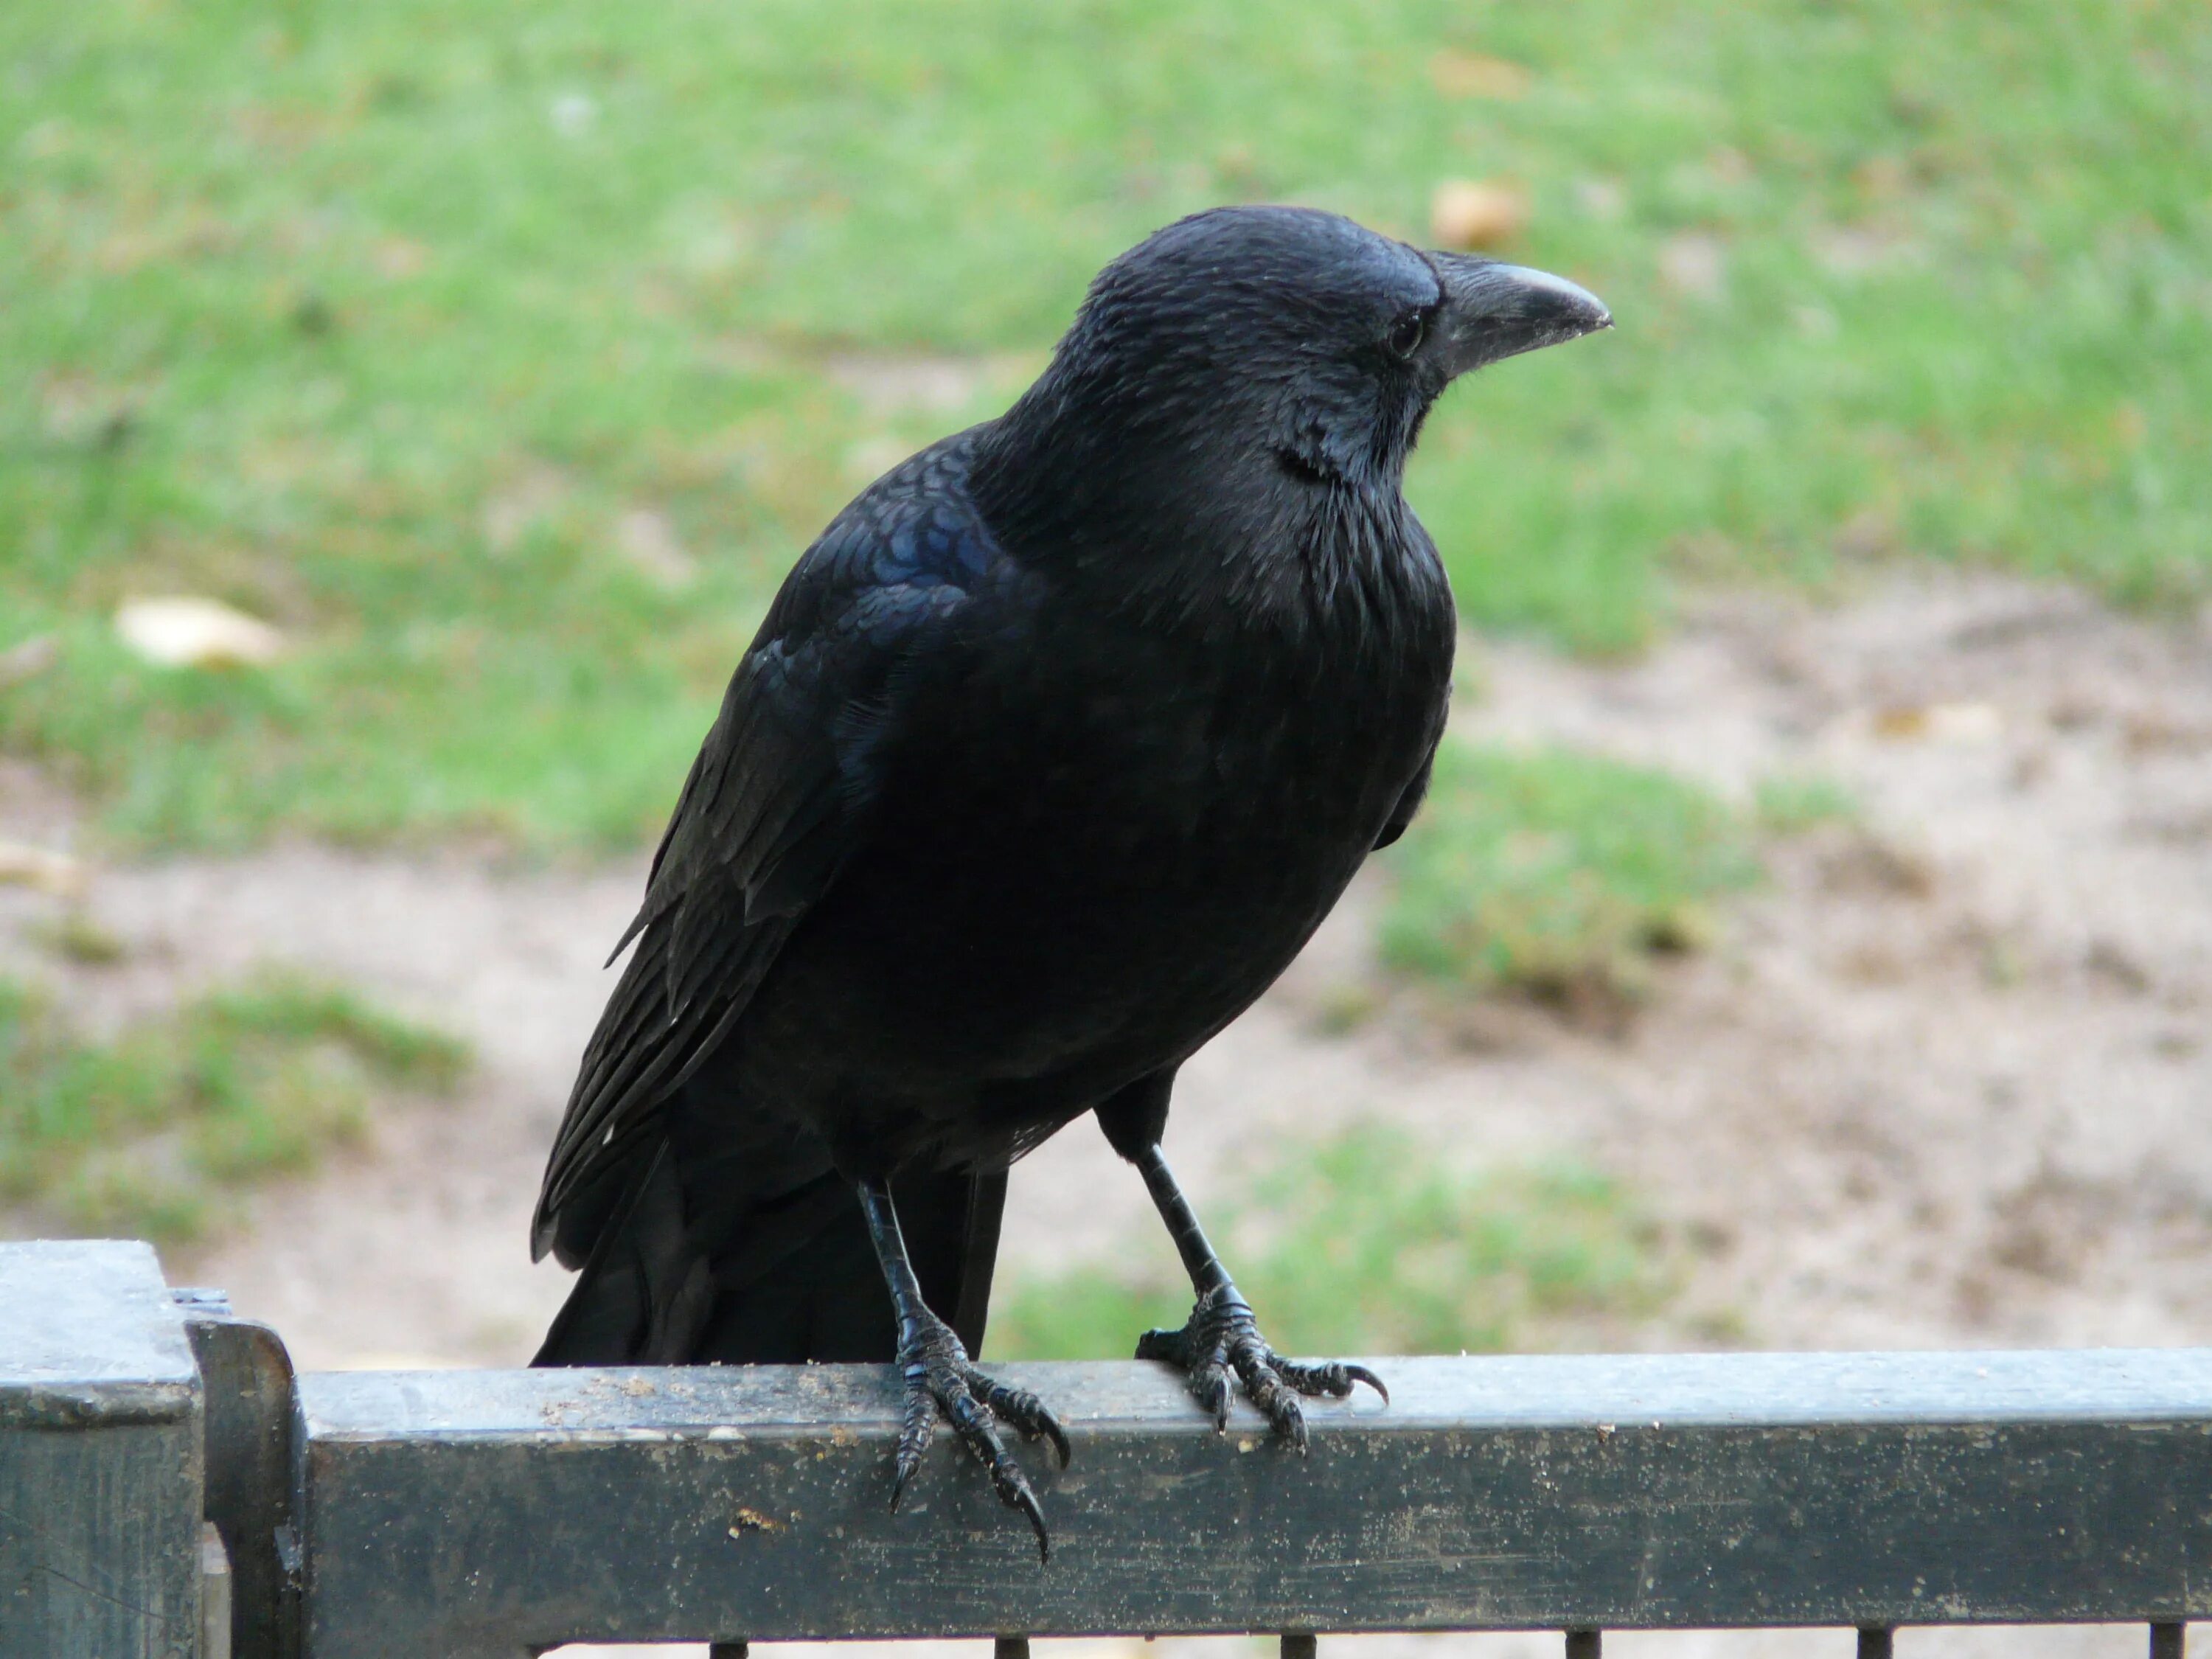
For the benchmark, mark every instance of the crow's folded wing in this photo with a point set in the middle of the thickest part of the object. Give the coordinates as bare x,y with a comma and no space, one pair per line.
1409,800
778,799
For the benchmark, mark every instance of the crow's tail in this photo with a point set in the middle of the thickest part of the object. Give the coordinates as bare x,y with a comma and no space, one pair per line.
688,1269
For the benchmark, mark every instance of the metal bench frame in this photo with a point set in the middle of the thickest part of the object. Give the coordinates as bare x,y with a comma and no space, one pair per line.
482,1513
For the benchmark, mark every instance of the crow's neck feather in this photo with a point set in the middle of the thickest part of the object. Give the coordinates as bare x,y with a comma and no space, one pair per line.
1148,495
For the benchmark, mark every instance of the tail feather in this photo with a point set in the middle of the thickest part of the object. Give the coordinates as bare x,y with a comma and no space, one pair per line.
642,1294
689,1277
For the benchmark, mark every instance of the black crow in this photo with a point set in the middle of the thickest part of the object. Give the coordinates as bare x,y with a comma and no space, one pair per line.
1050,754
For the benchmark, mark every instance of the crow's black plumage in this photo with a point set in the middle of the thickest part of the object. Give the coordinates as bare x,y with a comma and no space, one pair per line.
1048,756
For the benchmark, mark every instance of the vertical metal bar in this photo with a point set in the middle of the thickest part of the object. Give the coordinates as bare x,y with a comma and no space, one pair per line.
2168,1641
1299,1644
1584,1644
248,1433
1875,1641
1011,1647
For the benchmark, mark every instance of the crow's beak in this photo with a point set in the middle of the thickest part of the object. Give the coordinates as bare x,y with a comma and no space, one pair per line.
1493,310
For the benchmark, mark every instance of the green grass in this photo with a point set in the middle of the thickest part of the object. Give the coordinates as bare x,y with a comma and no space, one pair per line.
1368,1243
382,321
1790,804
146,1132
1559,874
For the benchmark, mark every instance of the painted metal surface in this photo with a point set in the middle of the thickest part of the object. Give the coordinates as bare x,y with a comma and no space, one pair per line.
100,1456
472,1514
247,1377
484,1512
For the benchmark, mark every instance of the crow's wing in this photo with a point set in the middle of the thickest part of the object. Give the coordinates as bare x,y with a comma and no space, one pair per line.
780,795
1410,798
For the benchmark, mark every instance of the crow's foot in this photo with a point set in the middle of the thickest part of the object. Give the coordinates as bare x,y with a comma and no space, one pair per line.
1222,1339
938,1378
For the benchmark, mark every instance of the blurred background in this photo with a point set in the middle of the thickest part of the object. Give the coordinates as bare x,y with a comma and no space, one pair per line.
406,409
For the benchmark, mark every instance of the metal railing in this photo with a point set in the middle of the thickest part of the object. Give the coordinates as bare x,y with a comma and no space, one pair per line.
481,1513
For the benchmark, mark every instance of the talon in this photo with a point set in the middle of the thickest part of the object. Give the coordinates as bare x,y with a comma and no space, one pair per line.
915,1436
1361,1374
1025,1500
939,1381
1049,1426
1222,1329
1024,1411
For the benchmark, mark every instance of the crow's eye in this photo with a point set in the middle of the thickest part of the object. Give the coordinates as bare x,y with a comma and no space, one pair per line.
1408,333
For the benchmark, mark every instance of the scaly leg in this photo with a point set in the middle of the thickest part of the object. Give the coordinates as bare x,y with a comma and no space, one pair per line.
935,1369
1222,1338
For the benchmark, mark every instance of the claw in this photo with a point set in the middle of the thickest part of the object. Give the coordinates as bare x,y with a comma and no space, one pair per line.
1222,1337
1217,1396
1335,1378
1024,1410
1361,1374
915,1433
1025,1500
939,1379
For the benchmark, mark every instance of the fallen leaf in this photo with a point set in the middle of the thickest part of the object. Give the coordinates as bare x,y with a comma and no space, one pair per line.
1472,75
1465,213
187,632
1940,722
49,872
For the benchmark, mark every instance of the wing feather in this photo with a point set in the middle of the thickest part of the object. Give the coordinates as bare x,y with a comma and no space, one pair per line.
780,795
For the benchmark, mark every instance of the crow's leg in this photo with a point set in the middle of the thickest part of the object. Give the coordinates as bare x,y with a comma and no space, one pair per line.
935,1369
1222,1339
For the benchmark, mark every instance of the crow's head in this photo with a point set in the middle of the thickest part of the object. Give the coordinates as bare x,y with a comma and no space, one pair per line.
1249,341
